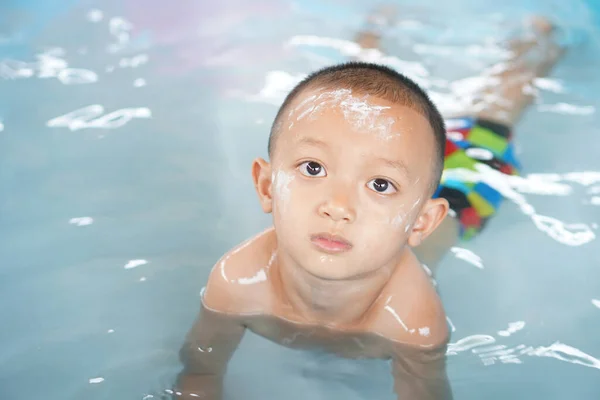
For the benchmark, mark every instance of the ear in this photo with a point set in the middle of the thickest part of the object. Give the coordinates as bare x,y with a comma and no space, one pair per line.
261,176
432,214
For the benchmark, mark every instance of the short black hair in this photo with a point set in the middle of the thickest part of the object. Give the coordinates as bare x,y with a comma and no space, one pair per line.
375,80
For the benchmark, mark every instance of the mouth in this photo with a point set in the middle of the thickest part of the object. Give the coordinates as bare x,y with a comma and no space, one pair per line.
332,244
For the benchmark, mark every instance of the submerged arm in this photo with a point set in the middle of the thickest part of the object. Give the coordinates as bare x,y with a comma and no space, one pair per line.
421,374
207,349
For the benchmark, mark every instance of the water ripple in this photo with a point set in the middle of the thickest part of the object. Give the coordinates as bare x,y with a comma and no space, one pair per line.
91,117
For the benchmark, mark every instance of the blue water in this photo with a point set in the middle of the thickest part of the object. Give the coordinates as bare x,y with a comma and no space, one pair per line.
110,225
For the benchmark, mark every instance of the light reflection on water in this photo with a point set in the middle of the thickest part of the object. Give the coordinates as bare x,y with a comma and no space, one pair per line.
481,346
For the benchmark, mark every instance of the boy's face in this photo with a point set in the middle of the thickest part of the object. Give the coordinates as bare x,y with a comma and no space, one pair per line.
349,182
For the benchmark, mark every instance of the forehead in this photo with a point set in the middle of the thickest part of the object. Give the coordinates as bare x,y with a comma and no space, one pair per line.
352,119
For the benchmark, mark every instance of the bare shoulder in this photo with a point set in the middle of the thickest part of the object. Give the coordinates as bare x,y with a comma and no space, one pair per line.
238,282
409,310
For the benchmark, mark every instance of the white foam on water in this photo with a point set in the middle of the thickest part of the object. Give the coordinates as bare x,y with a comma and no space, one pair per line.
567,109
585,178
468,343
75,76
135,263
15,69
133,62
486,350
91,117
352,49
276,87
551,85
81,221
452,327
513,327
594,190
569,234
564,352
120,29
468,256
95,15
49,64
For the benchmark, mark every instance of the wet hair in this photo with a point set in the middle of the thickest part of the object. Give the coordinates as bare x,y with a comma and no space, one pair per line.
378,81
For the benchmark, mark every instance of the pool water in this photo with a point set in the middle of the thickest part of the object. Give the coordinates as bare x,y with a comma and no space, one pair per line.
127,129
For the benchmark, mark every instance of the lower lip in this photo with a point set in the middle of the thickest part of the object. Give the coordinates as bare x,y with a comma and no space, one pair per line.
331,246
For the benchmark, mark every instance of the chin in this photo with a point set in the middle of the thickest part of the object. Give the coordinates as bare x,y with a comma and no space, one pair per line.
329,270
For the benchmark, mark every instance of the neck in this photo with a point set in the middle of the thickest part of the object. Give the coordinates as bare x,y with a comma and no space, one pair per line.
329,302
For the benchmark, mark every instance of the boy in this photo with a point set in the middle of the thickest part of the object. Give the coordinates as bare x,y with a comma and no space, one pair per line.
356,155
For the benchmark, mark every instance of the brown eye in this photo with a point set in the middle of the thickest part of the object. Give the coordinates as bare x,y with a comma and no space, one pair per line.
312,168
382,186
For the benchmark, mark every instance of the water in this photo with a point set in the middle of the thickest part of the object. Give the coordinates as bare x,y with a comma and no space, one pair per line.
110,219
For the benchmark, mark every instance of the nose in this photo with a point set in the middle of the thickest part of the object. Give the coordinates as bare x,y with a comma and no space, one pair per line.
338,206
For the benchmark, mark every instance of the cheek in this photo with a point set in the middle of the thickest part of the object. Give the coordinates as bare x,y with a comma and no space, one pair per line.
399,220
293,197
404,217
283,185
389,219
395,220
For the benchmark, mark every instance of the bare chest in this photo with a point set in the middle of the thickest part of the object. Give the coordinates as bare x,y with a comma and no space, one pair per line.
355,344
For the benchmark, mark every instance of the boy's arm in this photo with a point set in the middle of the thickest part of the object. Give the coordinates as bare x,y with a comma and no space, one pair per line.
421,374
415,322
220,326
207,349
210,343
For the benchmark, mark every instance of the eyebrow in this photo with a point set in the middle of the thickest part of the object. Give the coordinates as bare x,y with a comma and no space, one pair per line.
399,165
312,142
